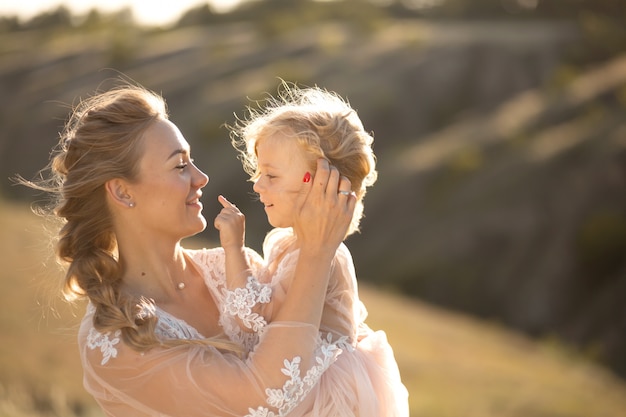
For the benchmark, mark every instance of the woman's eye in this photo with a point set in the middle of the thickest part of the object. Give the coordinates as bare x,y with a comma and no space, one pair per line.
182,166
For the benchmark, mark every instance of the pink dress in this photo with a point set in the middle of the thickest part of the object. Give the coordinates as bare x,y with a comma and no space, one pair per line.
289,369
364,379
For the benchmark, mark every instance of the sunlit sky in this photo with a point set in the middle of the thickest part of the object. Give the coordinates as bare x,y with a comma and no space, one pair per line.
149,12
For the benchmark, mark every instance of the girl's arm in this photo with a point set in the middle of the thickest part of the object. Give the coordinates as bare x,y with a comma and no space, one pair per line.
245,296
343,311
231,224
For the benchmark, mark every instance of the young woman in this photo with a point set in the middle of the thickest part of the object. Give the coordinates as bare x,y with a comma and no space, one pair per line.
279,143
151,342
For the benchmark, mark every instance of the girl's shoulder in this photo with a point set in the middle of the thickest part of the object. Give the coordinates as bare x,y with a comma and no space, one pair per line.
277,241
206,256
278,235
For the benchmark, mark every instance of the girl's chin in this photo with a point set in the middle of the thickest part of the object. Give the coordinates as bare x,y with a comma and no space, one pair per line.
279,224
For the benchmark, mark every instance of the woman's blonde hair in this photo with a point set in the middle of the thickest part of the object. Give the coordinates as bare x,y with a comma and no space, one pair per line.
323,124
101,140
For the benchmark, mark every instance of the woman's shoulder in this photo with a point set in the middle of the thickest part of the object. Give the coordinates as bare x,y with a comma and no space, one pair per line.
95,346
104,347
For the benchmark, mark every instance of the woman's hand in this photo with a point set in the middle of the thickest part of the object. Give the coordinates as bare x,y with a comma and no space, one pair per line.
324,209
231,224
321,221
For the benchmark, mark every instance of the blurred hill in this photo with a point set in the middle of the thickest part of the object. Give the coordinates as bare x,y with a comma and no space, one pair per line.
499,131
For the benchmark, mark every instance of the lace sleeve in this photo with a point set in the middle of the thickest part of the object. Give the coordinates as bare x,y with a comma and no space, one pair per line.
195,380
241,312
282,400
242,303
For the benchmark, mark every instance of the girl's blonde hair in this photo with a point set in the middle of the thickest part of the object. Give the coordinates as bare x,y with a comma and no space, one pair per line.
102,140
323,124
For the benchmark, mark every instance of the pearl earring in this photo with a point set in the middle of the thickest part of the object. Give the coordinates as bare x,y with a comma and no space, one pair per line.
131,205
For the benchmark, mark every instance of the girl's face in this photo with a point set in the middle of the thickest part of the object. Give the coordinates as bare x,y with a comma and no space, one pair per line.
281,168
167,191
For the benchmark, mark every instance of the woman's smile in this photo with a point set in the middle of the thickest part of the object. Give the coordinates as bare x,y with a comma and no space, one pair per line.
195,202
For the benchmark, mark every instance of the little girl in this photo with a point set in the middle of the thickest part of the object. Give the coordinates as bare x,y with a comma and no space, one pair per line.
279,147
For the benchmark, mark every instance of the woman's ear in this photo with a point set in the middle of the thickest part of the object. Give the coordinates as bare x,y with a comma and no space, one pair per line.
118,192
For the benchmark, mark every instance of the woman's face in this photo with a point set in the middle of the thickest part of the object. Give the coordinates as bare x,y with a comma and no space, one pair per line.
167,191
282,165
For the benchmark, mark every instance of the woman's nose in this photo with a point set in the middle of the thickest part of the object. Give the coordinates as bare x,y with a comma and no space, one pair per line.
201,179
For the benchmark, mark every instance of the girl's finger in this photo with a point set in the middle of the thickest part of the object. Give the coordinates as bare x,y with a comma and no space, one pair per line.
225,203
228,206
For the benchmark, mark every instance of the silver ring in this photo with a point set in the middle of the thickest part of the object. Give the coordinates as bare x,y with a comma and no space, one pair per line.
345,192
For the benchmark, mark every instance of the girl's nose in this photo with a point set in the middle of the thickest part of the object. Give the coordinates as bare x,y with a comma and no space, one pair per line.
257,186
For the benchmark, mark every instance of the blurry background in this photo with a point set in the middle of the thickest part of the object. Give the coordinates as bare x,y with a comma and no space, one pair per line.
493,247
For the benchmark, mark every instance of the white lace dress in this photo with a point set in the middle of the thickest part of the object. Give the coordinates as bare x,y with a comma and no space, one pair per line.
195,380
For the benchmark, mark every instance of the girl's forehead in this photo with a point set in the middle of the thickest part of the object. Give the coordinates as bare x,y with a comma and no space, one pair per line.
280,151
276,141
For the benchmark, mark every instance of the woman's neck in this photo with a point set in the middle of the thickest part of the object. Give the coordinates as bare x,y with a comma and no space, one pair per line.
154,272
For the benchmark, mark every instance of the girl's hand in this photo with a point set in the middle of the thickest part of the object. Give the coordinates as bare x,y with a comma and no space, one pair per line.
231,224
324,209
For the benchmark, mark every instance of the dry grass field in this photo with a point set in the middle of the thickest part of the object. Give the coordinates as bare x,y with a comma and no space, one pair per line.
453,365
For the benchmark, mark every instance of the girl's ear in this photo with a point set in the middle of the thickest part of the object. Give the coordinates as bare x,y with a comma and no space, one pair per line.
118,192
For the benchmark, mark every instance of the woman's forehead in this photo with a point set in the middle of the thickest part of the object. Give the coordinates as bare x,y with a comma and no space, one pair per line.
164,140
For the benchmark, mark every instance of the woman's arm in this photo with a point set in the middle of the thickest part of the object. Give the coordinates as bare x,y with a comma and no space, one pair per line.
199,380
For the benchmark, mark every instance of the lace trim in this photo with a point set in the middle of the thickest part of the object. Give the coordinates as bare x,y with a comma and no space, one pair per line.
211,263
168,327
240,301
95,339
296,388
